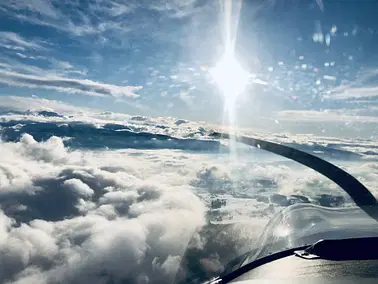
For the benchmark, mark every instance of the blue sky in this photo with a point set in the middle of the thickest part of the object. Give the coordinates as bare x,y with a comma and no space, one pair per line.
313,63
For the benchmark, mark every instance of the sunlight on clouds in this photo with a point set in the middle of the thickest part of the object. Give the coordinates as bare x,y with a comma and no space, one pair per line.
153,201
150,218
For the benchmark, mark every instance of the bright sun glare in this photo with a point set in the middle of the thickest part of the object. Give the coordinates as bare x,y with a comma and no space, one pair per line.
229,75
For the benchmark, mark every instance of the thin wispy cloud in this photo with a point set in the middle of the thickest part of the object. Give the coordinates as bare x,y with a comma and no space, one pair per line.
365,85
349,92
100,17
329,115
60,77
14,103
68,85
42,7
14,41
24,56
105,18
320,4
55,66
175,8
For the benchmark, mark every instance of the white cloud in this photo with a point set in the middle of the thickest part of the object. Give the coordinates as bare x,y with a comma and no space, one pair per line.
13,47
77,249
79,187
14,103
68,85
61,64
57,67
47,13
24,56
158,125
50,151
349,92
102,19
176,8
360,88
128,215
13,39
328,115
42,7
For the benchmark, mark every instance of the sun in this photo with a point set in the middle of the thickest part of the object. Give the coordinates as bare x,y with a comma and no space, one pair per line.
229,75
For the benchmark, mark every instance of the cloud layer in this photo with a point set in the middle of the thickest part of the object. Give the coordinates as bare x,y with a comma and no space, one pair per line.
86,218
143,216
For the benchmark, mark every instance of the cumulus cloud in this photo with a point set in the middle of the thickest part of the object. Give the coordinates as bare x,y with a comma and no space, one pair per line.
77,186
99,216
140,216
69,85
92,217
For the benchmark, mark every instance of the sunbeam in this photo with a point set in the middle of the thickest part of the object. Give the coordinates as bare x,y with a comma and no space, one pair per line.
228,74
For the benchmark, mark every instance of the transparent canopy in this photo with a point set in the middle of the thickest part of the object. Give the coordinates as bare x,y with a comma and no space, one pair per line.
304,224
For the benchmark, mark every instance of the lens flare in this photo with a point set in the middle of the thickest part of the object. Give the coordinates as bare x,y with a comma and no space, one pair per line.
229,75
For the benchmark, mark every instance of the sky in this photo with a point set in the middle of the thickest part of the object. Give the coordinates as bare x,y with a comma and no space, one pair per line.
312,63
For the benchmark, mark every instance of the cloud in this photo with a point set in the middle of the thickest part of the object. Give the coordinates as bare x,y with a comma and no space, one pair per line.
130,215
22,104
364,86
24,56
348,92
169,126
69,85
328,115
176,8
69,18
15,41
152,215
61,64
103,20
42,7
66,220
78,187
55,66
320,4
